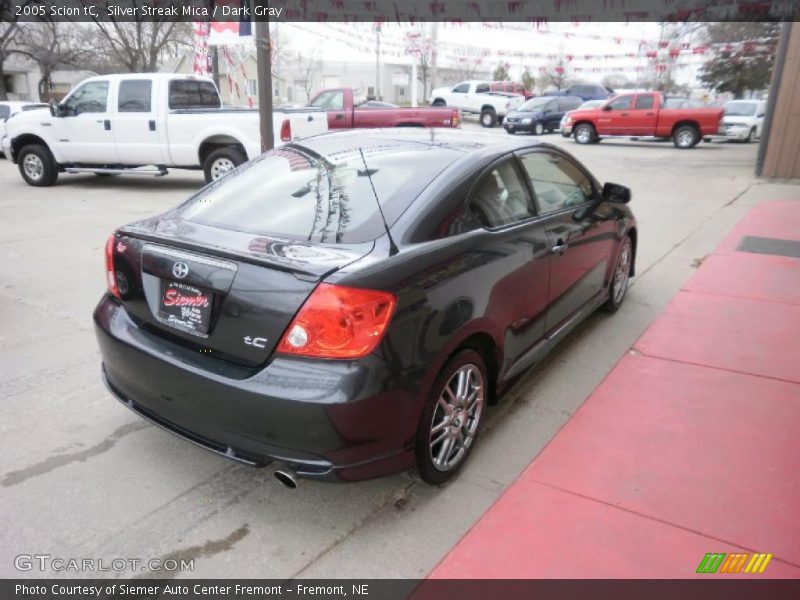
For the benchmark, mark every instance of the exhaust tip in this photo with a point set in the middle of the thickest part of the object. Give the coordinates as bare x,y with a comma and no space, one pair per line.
287,479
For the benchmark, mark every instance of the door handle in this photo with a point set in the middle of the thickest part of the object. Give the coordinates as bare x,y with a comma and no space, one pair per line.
152,125
625,115
560,247
650,114
107,125
310,117
339,117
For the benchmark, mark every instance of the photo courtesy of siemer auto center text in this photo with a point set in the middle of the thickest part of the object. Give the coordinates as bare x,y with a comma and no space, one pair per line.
395,300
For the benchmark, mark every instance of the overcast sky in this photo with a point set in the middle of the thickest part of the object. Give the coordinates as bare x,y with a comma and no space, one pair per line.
356,42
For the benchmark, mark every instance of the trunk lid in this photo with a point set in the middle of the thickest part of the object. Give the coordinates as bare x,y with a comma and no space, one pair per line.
226,293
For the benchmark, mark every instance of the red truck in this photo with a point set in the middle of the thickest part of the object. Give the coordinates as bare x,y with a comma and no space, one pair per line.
345,112
643,115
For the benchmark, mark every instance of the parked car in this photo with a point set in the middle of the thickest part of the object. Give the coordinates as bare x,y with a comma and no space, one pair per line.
643,115
743,120
347,306
584,106
477,97
345,111
541,114
11,108
511,87
112,124
586,91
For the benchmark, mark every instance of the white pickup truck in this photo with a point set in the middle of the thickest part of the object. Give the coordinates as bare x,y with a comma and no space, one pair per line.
477,97
119,124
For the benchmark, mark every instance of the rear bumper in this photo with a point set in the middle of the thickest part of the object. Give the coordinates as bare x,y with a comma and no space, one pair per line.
327,420
518,127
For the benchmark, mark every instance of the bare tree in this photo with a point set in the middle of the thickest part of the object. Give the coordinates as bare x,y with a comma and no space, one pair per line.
8,35
556,75
137,44
308,68
51,45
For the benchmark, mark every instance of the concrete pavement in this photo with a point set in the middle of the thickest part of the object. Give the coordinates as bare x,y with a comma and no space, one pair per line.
83,477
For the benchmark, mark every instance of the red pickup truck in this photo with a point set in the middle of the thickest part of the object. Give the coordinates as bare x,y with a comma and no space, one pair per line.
643,115
346,112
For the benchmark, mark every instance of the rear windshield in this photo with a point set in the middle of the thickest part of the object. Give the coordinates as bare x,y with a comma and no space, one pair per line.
291,194
740,109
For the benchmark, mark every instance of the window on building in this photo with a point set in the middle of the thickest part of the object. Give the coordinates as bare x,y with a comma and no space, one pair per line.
252,87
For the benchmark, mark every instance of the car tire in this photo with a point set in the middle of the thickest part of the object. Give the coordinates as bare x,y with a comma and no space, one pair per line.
449,425
585,134
751,137
538,128
37,165
488,118
439,102
511,132
620,278
685,137
222,161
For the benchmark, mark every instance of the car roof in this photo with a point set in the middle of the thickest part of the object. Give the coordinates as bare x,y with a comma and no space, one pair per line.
334,143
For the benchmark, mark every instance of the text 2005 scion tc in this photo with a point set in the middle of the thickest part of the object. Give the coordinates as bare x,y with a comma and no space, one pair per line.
347,307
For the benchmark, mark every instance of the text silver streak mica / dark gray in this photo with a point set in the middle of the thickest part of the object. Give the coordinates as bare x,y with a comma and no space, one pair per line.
496,247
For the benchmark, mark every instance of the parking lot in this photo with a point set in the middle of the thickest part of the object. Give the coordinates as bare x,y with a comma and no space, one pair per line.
83,477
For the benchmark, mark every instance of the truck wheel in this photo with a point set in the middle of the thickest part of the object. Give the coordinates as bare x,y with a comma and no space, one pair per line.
585,134
220,162
37,166
488,118
751,136
439,102
686,136
538,128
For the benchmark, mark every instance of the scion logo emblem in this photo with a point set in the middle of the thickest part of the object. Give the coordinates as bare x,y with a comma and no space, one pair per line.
180,270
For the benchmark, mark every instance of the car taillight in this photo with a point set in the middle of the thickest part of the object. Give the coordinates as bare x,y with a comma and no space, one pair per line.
339,322
286,131
111,278
456,120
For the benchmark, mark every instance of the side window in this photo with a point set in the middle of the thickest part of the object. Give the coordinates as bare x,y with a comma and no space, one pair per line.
91,97
621,103
461,89
644,102
134,95
192,94
556,181
482,88
5,111
500,198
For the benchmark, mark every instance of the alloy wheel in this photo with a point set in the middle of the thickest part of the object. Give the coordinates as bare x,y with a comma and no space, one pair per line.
33,166
685,138
538,129
583,135
456,417
622,272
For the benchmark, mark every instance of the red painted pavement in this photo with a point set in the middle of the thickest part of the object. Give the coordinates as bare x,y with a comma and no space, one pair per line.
690,445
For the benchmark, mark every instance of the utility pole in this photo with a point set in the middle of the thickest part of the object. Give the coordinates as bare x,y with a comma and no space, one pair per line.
377,61
434,54
264,67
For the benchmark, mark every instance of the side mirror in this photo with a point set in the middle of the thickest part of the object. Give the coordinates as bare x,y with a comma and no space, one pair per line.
616,193
761,115
607,107
54,109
